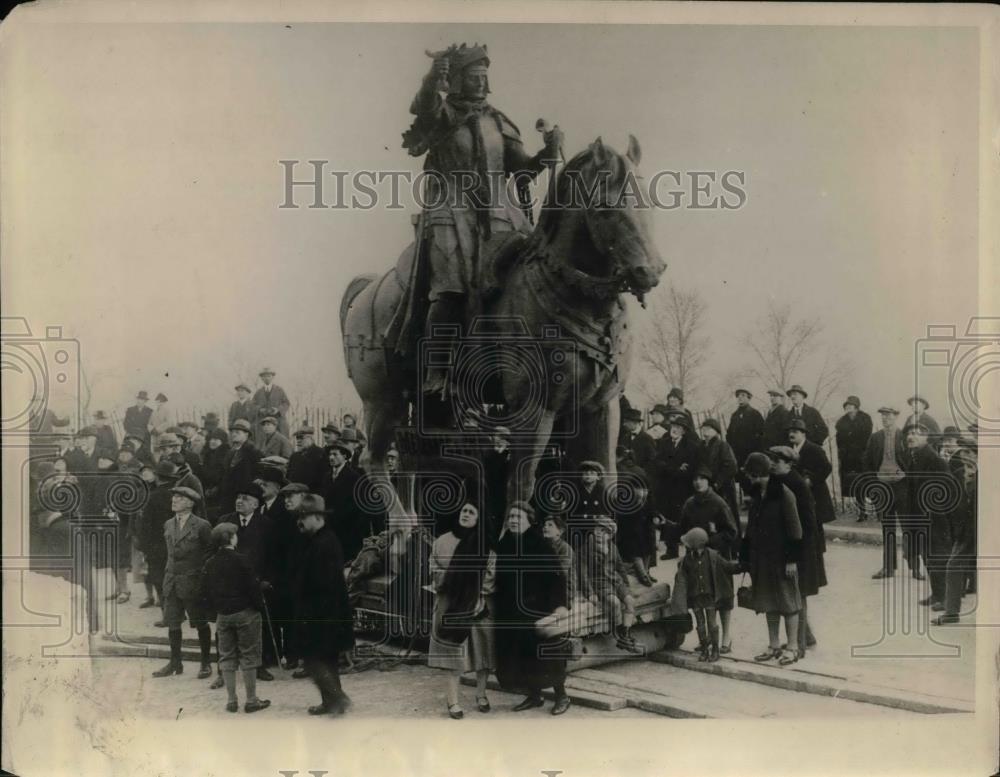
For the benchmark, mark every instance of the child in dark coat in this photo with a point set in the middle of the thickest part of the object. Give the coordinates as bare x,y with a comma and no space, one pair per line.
703,582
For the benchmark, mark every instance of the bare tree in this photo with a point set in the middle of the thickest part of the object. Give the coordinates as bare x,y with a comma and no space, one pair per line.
676,348
793,350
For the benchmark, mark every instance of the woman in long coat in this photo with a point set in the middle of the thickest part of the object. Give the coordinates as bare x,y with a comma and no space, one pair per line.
463,572
636,522
770,551
718,456
529,585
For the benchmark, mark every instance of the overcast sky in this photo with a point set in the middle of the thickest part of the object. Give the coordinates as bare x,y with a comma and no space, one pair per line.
142,182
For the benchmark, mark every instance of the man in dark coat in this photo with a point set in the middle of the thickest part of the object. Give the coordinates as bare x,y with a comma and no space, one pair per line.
775,422
170,448
81,461
155,513
677,456
816,428
270,400
718,457
961,565
272,442
635,440
137,418
107,440
815,468
883,461
323,613
213,467
240,464
745,432
919,415
854,429
243,407
339,494
307,464
925,530
496,470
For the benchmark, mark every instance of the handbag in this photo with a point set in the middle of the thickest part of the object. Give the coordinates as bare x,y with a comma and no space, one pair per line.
744,595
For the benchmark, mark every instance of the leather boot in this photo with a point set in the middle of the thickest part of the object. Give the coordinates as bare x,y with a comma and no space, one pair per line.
205,643
174,666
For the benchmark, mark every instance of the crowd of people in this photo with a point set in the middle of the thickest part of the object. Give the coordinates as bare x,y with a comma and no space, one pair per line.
245,528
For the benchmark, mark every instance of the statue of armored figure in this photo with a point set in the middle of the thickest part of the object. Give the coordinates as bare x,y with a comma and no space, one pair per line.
472,150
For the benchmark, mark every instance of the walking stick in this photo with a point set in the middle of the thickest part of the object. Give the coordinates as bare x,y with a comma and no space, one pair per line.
274,642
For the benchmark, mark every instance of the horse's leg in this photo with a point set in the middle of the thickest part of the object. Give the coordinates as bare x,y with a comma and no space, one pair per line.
598,436
524,456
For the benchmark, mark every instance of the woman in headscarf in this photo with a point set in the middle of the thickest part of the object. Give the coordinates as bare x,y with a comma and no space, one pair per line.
462,570
530,584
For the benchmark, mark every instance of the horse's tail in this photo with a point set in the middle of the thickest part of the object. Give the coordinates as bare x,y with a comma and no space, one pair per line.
354,288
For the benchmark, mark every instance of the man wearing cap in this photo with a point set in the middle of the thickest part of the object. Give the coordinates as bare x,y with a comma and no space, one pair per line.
193,443
496,470
745,432
675,403
307,464
349,438
816,428
948,442
637,441
137,418
718,457
919,415
271,400
171,447
162,418
884,456
339,491
139,447
239,465
815,468
677,456
853,430
322,610
189,543
775,421
242,407
925,530
272,442
106,438
331,434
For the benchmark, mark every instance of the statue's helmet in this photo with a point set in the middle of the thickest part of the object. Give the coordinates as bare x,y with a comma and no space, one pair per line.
462,57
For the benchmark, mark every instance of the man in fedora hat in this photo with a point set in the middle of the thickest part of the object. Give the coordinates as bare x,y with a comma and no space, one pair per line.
775,421
308,463
815,467
853,430
272,442
137,418
242,407
171,447
745,432
149,532
349,438
635,440
239,465
816,428
884,456
322,609
919,415
106,438
677,456
339,495
189,543
271,400
210,421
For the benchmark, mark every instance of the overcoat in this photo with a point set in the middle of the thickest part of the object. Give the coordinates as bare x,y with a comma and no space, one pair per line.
775,427
852,439
307,466
816,428
271,400
322,610
815,468
710,512
745,432
773,539
187,551
238,472
812,568
673,471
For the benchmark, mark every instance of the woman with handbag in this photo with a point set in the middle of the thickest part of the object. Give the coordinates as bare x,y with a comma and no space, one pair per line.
462,568
770,551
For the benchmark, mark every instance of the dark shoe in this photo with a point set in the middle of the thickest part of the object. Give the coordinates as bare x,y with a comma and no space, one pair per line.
169,669
160,624
147,603
205,671
232,706
455,712
713,654
881,574
483,704
263,674
810,641
723,649
937,607
926,602
298,674
320,709
218,682
340,703
945,620
529,703
257,706
768,655
788,657
561,705
702,653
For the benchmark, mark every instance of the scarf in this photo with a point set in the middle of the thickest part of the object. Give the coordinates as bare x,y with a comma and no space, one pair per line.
463,579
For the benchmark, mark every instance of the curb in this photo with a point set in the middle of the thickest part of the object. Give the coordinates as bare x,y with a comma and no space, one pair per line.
847,534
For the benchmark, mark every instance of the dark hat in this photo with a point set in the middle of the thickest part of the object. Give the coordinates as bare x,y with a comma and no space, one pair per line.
266,371
679,419
676,392
132,436
524,507
797,389
269,419
633,414
161,397
251,489
918,398
167,440
166,469
965,444
217,434
922,428
796,425
270,474
87,431
712,424
242,387
339,445
743,391
349,435
295,488
175,429
695,538
303,431
313,504
592,466
702,472
100,415
184,491
278,462
951,431
783,452
240,424
142,395
886,409
123,448
209,417
191,424
852,400
330,426
662,409
757,465
775,392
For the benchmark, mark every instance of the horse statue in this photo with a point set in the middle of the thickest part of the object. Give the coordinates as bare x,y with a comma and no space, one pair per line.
552,345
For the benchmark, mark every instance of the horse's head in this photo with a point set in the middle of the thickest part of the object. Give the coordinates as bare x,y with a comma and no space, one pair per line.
607,189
